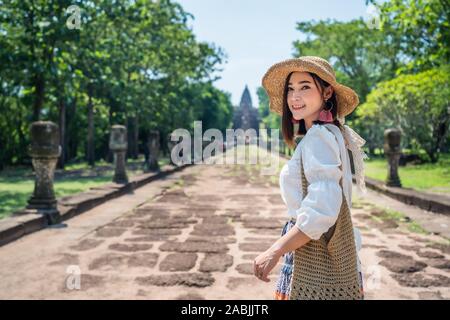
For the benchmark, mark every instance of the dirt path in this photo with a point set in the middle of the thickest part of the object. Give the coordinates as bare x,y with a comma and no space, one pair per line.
195,234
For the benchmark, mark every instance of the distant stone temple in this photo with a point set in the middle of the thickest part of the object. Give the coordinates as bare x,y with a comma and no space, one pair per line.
245,115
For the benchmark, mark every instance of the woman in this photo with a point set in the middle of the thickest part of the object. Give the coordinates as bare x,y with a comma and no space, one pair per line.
318,243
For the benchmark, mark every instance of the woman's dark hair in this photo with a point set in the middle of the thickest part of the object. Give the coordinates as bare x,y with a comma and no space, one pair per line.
287,127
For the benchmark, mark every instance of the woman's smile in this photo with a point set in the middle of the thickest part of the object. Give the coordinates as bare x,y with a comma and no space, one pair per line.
298,106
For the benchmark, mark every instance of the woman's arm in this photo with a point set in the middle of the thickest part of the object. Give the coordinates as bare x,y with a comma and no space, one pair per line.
267,260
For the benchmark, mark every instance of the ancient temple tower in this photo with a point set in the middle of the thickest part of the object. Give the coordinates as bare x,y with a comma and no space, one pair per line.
245,115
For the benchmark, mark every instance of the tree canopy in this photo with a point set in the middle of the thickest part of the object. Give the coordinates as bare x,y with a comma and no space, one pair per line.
130,62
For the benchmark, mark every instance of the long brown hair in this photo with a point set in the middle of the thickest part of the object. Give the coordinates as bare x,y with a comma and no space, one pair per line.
287,127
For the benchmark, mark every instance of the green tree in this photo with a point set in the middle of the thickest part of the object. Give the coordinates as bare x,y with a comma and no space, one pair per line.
360,56
422,26
132,62
417,104
269,119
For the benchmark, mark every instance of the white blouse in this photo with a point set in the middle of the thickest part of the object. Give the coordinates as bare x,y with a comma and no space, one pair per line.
321,151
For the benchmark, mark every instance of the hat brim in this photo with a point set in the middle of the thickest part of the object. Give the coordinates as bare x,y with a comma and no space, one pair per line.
275,78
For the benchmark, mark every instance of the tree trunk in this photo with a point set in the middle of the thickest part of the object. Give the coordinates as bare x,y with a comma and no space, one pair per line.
133,137
38,96
62,133
110,155
90,141
136,136
439,134
70,136
130,141
442,130
2,156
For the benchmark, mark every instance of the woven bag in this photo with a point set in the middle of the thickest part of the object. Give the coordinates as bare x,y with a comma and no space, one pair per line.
326,269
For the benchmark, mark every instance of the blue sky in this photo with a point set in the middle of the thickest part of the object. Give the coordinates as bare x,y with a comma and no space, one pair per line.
258,33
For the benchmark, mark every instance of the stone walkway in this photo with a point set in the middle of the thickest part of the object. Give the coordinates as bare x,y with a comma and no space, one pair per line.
194,235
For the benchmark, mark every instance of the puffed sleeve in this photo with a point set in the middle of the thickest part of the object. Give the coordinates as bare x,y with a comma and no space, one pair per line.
291,184
321,159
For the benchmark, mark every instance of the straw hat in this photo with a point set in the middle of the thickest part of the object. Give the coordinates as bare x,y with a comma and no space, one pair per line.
275,78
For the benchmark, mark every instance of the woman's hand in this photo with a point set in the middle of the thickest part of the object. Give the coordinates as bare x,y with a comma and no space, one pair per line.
264,263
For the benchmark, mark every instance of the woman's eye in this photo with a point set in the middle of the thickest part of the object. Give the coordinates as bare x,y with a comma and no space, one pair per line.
289,89
305,87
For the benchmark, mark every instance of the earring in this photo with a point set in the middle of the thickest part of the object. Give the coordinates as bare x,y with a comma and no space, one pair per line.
326,115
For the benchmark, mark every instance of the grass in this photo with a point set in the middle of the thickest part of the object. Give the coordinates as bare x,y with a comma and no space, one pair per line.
14,192
17,185
422,177
399,217
388,214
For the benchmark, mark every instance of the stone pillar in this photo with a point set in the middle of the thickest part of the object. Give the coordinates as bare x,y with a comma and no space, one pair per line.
170,146
153,151
392,151
44,151
118,145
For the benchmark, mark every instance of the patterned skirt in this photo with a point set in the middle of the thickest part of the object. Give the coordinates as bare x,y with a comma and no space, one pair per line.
284,280
283,287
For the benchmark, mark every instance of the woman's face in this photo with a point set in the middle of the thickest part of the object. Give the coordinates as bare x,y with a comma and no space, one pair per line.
304,98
